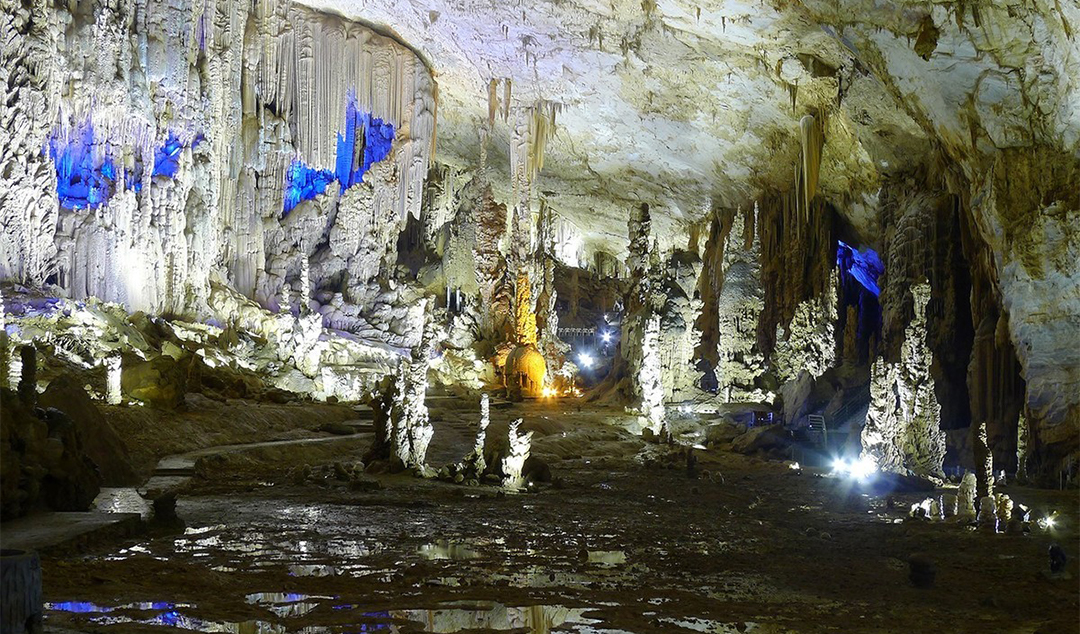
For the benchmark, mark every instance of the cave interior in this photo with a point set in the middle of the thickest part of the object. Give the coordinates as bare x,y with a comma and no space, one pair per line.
329,316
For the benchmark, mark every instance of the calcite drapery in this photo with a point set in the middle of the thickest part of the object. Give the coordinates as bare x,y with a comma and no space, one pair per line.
181,117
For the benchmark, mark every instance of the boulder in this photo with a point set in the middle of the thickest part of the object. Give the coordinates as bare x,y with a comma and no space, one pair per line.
723,432
42,461
99,440
536,470
765,438
159,382
72,480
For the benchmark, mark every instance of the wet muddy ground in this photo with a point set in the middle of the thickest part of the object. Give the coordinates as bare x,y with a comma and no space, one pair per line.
747,546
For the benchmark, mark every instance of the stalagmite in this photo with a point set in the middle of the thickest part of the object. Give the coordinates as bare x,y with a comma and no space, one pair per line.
473,465
902,428
1023,447
808,342
520,444
649,378
738,307
1003,507
988,519
965,499
412,430
112,380
553,348
525,317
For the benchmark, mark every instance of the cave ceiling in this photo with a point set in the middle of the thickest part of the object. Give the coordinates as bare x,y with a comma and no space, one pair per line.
695,106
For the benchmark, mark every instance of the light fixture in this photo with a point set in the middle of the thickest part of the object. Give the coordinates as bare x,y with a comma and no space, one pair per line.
1047,522
606,336
585,360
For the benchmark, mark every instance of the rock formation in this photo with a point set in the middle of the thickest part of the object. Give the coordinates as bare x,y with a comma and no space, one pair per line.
145,194
902,430
518,449
740,303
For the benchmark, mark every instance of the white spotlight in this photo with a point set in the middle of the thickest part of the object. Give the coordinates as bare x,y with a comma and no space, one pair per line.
585,360
863,468
606,336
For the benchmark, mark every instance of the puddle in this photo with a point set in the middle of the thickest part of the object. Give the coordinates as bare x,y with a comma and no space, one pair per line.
443,549
712,627
452,617
535,619
607,557
122,500
286,604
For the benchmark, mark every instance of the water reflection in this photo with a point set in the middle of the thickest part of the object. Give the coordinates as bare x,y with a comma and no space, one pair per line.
607,557
453,617
710,626
535,619
122,500
444,549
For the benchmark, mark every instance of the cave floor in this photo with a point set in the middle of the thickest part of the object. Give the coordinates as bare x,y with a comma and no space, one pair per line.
748,545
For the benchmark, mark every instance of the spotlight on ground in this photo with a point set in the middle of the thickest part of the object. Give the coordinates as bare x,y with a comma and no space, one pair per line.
859,469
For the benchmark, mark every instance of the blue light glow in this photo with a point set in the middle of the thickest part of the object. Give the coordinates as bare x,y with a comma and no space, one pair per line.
377,136
304,183
865,266
84,183
365,141
81,183
167,157
81,607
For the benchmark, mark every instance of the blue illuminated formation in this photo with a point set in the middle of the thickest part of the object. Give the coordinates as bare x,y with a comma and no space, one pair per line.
365,141
865,266
167,157
80,183
304,183
377,137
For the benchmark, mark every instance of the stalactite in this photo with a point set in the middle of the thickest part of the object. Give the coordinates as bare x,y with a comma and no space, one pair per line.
812,138
175,180
493,101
